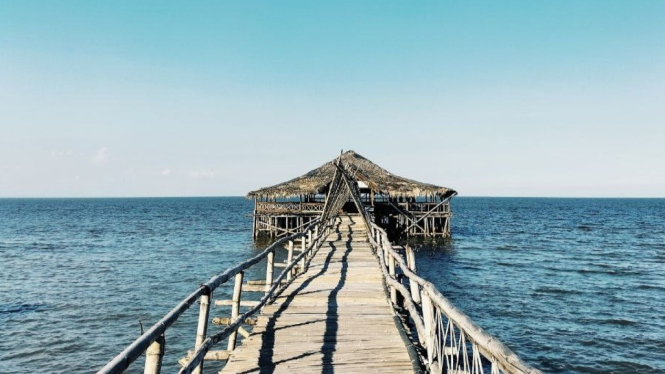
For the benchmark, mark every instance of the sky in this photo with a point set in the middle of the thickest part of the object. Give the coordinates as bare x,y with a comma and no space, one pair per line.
216,98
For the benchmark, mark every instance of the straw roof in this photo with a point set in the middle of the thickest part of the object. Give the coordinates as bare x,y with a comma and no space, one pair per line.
378,179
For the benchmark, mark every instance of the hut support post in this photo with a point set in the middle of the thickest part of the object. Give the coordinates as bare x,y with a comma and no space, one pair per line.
254,233
154,355
235,308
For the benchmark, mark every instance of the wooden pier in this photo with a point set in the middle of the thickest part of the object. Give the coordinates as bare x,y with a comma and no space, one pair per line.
345,301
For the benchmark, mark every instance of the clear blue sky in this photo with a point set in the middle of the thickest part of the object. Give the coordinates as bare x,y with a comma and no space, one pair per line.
494,98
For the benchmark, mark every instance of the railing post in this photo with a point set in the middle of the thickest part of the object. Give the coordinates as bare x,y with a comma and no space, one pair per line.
235,308
270,268
289,259
380,251
202,328
310,245
411,263
391,271
428,319
154,355
303,245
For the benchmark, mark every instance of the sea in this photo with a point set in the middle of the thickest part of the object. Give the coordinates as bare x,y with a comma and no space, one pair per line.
570,285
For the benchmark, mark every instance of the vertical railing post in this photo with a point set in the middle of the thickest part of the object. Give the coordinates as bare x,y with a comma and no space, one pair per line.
379,249
428,319
202,328
303,245
391,271
235,308
310,244
411,263
154,355
270,268
289,259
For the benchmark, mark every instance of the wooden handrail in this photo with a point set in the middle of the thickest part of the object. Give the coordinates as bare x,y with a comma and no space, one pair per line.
200,352
498,354
155,333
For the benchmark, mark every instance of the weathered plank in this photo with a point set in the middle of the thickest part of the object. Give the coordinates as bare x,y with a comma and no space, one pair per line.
334,318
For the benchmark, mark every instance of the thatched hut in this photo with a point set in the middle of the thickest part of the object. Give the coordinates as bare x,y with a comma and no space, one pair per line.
399,204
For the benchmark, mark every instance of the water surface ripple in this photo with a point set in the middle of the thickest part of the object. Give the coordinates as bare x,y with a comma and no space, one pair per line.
572,285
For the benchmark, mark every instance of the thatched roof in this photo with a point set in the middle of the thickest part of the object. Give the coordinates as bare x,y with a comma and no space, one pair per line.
376,178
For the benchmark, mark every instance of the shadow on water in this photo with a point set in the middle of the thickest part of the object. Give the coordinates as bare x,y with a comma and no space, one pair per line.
18,310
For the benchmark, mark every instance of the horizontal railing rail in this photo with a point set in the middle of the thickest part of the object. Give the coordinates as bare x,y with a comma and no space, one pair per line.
152,341
451,341
425,207
296,207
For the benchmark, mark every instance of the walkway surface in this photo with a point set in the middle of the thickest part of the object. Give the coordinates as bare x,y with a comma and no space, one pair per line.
335,318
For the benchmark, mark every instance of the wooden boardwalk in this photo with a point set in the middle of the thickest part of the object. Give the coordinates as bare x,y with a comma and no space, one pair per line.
334,318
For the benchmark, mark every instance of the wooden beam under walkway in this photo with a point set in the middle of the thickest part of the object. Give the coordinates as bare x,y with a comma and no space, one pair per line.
334,318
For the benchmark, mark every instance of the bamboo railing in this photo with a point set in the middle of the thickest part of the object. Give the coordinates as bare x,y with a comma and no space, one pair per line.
292,207
450,341
152,342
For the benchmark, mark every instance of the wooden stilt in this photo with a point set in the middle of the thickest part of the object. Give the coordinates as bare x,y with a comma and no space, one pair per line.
254,233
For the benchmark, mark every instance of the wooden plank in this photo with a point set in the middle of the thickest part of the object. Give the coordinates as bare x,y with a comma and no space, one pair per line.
333,318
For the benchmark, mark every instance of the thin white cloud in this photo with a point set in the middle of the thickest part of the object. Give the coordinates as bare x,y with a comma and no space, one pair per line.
56,154
101,157
166,172
201,173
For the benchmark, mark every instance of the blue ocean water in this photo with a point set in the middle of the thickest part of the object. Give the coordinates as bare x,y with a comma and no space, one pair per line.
571,285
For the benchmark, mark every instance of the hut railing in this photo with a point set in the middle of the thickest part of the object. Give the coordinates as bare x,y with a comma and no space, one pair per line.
425,207
451,341
152,341
288,207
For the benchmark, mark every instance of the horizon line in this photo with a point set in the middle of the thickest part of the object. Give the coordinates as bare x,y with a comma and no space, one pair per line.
248,198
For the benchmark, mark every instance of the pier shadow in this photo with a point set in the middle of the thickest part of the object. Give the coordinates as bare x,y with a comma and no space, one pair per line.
266,355
332,314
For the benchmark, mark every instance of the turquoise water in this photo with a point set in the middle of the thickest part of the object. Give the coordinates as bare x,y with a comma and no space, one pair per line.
571,285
